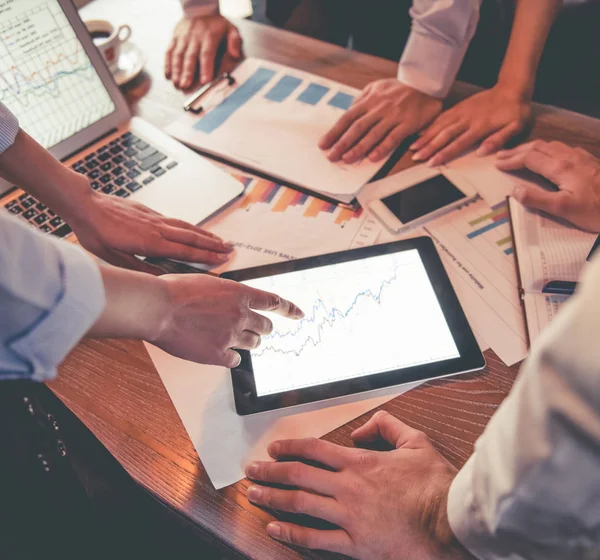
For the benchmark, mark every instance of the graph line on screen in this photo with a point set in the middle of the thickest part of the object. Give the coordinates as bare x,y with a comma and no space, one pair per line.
320,316
46,78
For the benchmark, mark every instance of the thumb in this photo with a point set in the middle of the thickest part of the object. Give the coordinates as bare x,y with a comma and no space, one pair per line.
383,425
540,199
234,43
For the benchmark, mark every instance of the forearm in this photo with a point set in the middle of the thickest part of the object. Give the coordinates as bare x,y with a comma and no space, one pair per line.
31,167
135,304
532,23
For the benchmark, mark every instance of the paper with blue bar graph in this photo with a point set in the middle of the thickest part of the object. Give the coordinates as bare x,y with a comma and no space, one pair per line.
271,121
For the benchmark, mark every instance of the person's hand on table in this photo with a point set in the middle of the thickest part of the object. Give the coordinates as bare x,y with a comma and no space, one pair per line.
116,230
386,113
492,117
575,172
387,504
195,44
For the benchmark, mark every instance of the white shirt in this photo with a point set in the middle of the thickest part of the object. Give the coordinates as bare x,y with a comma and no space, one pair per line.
441,33
531,490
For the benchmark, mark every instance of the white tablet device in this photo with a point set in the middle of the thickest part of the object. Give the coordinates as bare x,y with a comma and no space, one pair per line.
411,198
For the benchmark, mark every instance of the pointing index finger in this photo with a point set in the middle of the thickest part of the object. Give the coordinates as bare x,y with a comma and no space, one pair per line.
266,301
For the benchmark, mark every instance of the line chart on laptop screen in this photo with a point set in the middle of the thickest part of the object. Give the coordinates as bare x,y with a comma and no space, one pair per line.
46,77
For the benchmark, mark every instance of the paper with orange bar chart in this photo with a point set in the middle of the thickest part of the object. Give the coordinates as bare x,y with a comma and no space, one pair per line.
273,223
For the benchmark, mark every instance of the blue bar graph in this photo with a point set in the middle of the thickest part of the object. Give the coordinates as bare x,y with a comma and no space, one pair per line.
283,89
313,94
341,101
487,228
239,97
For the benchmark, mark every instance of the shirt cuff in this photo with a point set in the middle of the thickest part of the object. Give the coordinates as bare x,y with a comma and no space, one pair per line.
9,128
199,8
466,517
78,306
430,66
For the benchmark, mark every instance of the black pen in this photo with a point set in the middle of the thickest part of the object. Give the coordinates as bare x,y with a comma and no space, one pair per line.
596,245
560,288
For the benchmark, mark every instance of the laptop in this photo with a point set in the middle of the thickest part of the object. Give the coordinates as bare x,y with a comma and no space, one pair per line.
56,82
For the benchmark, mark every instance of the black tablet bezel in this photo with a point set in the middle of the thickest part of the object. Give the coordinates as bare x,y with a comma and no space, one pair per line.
471,358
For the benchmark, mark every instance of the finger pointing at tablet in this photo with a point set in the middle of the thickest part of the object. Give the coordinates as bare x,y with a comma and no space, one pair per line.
204,319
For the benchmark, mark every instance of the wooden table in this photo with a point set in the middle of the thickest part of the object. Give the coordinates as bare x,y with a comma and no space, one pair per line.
113,387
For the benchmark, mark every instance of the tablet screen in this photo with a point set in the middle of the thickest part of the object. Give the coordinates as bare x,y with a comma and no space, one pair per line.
363,317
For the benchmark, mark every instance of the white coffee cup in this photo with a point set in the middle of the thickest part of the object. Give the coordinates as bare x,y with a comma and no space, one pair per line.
108,39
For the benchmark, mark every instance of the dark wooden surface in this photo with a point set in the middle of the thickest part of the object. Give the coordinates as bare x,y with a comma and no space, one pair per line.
113,387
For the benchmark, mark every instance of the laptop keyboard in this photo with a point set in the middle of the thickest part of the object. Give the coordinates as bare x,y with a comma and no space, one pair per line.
120,168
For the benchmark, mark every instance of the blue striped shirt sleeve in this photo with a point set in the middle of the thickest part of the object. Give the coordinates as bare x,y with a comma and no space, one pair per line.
51,293
9,127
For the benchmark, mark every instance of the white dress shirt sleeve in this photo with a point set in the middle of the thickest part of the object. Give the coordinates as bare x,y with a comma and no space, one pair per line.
531,490
51,293
441,33
200,8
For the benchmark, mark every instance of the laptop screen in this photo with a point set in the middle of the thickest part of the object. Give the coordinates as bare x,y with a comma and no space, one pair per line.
46,77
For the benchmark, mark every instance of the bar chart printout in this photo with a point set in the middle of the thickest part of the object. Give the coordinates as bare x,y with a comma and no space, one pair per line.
344,319
271,120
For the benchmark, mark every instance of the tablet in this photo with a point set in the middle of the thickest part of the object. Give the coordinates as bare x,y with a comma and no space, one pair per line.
374,317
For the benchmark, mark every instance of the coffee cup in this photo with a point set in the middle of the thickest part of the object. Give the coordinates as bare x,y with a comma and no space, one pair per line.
108,39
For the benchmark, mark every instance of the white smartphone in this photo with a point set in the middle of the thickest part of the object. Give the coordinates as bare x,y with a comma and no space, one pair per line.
427,195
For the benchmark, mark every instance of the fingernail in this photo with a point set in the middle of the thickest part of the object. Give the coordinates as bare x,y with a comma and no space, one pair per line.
252,469
433,162
228,246
223,258
374,157
254,493
418,156
482,151
413,146
519,192
274,449
274,530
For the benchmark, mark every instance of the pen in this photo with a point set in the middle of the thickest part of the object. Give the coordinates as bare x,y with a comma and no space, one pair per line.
187,106
560,287
595,246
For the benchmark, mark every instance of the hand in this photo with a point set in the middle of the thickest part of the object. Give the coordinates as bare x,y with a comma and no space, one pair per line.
575,172
202,318
116,230
495,116
386,504
195,44
384,115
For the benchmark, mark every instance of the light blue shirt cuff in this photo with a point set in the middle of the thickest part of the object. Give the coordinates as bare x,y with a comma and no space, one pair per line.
9,128
78,306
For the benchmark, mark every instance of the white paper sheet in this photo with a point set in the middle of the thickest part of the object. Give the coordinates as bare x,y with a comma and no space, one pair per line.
263,124
226,442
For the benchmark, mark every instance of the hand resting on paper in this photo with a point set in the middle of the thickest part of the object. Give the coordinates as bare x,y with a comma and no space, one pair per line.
387,504
384,115
196,317
575,172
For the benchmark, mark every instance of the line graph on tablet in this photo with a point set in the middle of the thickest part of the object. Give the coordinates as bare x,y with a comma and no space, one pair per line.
361,318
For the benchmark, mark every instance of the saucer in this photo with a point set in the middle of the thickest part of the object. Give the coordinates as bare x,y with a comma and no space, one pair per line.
131,63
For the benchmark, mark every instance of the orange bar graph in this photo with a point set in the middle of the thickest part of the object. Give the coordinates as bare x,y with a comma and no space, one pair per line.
285,201
254,195
315,207
347,214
